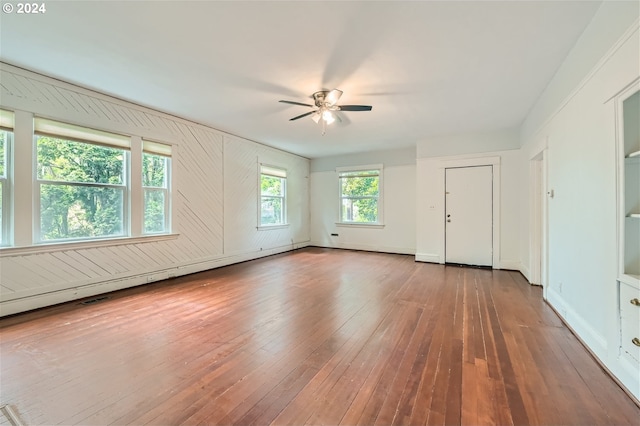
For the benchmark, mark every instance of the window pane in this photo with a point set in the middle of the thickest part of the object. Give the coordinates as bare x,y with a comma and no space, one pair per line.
271,211
361,210
68,211
1,223
271,185
3,144
154,211
154,170
359,186
69,161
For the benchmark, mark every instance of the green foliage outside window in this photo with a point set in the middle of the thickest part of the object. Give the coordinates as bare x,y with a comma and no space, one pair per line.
81,189
3,143
359,196
272,200
154,180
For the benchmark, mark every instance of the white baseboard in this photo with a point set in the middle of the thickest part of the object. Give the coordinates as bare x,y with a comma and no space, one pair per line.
525,271
428,257
595,341
624,371
366,247
512,265
53,296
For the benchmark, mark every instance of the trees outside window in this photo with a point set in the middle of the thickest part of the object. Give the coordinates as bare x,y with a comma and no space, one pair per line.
6,140
273,189
155,185
81,188
360,198
82,184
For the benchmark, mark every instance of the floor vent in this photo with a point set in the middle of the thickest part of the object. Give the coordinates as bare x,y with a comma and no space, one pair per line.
94,300
8,416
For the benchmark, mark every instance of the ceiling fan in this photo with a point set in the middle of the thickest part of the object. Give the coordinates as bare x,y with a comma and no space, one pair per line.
325,102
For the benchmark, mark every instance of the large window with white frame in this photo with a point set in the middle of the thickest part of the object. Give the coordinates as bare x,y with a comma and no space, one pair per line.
6,142
81,182
273,196
156,158
360,190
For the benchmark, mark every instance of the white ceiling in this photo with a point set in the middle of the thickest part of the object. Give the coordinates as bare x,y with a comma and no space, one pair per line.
427,67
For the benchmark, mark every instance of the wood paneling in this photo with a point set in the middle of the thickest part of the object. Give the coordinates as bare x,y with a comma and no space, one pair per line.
316,336
203,200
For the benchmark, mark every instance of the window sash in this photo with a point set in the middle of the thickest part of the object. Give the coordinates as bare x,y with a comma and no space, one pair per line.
165,212
347,220
373,171
282,217
124,161
123,221
167,168
6,214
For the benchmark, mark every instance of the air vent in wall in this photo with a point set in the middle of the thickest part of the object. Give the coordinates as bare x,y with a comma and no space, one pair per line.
94,300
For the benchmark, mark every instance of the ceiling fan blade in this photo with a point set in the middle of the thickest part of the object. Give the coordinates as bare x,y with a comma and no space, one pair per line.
332,97
296,103
302,115
355,107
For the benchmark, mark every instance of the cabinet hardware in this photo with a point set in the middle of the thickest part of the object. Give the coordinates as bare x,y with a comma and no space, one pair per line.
635,301
635,341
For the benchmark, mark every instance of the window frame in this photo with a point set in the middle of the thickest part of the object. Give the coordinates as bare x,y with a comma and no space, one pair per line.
340,172
24,195
7,125
125,187
274,172
163,150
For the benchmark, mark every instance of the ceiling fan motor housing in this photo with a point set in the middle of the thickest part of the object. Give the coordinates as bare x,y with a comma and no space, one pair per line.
319,98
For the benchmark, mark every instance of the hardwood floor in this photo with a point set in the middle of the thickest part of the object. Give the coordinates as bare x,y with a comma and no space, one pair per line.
315,336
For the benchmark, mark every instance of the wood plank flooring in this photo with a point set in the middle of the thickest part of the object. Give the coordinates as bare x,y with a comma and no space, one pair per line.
315,336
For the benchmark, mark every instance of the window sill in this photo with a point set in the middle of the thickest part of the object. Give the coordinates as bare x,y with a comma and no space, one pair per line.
86,244
360,225
269,227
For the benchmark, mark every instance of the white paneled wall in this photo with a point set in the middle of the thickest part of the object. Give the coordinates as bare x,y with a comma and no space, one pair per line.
215,198
241,174
398,233
580,136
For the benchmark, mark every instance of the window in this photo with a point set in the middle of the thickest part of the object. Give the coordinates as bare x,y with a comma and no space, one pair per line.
6,139
273,190
155,186
360,195
81,182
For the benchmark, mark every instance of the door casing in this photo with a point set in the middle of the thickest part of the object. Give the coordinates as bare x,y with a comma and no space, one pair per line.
469,162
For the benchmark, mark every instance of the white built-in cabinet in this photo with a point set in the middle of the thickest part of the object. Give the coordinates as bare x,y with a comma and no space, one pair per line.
628,139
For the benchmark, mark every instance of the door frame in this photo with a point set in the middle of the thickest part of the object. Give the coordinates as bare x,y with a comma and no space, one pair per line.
474,162
538,220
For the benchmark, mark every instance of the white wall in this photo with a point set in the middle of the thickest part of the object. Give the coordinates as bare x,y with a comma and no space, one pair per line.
398,233
430,192
576,123
214,193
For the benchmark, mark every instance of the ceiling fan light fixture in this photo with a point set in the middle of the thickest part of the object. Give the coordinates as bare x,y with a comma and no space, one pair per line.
331,97
328,117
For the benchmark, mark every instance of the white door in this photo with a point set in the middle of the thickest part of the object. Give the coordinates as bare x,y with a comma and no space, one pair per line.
469,215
